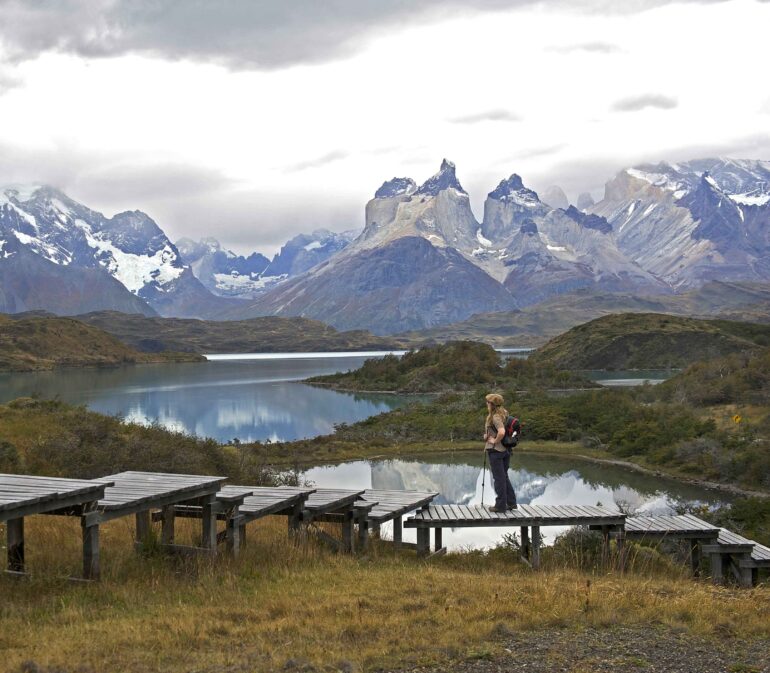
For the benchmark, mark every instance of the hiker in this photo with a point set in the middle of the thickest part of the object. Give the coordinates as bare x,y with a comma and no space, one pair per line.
499,455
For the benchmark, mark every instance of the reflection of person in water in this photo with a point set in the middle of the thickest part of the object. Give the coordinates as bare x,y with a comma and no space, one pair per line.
499,455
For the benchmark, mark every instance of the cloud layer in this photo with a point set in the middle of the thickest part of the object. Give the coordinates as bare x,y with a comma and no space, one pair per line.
240,33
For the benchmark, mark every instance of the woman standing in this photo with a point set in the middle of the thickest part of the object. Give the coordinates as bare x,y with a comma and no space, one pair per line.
499,455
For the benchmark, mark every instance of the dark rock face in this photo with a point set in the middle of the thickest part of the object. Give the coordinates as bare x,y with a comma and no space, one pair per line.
406,284
396,187
589,221
528,227
719,219
444,179
29,282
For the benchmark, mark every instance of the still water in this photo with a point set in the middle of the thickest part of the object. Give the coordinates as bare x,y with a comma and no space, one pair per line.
249,398
537,480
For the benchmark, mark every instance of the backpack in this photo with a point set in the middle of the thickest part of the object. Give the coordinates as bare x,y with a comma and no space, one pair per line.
512,432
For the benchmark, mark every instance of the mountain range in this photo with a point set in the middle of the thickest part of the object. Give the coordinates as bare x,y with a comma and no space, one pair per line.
422,259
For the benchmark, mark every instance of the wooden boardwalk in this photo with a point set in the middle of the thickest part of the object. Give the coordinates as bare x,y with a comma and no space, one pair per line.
740,556
525,517
673,527
139,493
22,496
392,505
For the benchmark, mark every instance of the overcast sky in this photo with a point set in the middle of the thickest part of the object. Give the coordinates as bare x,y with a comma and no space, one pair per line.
252,121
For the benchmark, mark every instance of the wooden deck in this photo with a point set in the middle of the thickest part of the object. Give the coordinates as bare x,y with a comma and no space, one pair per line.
23,495
139,493
738,555
439,517
392,506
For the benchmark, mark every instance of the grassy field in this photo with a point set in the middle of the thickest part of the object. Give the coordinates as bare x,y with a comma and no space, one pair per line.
284,605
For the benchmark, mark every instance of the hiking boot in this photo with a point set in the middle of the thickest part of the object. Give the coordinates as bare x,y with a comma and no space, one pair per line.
513,506
492,508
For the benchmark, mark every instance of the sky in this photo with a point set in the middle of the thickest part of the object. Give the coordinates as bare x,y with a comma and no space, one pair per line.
253,121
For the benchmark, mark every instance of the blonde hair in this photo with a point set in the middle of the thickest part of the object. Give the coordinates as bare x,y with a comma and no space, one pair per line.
497,409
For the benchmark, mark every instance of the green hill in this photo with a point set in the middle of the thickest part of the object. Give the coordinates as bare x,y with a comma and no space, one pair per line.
457,365
32,344
740,378
649,341
256,335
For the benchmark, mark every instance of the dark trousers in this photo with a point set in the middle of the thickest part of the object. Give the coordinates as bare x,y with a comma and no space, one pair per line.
499,462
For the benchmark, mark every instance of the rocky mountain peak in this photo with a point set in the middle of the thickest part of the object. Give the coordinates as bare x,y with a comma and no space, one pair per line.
555,197
396,187
444,179
585,201
513,189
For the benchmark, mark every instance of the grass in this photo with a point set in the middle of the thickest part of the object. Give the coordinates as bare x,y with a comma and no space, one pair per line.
282,602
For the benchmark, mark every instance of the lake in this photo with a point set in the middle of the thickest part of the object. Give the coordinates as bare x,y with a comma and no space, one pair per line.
537,480
249,397
253,397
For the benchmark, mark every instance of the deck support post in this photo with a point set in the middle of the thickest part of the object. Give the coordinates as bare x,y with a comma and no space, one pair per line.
347,532
167,525
15,538
438,539
209,524
295,518
423,541
717,572
361,518
525,546
143,528
398,532
233,534
622,549
605,546
91,557
242,532
536,547
746,577
695,557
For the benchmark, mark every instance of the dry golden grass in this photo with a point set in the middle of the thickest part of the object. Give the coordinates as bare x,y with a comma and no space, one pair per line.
283,601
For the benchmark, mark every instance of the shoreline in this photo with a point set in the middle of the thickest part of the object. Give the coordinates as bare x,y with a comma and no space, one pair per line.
731,489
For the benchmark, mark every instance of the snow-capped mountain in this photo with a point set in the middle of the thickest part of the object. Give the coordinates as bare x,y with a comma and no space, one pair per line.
694,221
129,247
412,266
304,251
222,271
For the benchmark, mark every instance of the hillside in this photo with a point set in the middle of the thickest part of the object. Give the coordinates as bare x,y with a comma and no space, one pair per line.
39,343
649,341
740,378
256,335
535,325
458,365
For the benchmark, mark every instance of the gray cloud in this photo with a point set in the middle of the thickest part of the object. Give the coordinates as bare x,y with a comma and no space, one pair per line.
590,47
323,160
498,115
239,33
766,105
185,200
636,103
8,81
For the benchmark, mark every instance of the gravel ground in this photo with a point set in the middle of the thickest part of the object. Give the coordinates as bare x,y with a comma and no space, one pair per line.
618,649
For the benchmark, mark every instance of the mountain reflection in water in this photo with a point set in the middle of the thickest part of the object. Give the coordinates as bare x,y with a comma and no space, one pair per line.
537,480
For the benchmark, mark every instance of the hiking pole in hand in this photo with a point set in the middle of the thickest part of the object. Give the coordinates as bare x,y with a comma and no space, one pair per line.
483,477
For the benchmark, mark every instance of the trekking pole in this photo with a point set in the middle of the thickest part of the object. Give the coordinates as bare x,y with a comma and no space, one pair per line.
483,477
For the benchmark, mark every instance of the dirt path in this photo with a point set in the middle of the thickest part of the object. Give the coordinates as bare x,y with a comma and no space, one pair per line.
617,650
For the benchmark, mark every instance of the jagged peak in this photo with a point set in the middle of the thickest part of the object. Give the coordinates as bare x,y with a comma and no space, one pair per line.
444,179
396,187
528,226
513,186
